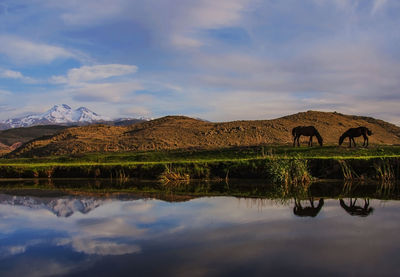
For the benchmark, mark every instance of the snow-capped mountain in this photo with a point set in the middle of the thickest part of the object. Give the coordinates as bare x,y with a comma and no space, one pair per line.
59,114
61,207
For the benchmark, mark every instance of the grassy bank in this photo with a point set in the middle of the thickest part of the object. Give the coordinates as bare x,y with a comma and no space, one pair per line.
184,191
280,164
223,154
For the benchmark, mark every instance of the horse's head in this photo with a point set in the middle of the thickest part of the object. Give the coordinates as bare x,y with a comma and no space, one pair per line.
369,132
321,141
341,139
319,138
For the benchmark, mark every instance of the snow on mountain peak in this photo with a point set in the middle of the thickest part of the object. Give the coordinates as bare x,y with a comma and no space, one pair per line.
58,114
61,207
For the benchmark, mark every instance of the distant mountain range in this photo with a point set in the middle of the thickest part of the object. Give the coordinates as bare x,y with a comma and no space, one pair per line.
64,115
67,205
61,207
58,114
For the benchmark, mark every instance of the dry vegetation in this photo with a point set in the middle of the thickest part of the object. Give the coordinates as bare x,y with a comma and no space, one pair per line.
179,132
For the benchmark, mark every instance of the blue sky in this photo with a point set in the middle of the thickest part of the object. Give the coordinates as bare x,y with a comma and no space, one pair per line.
218,60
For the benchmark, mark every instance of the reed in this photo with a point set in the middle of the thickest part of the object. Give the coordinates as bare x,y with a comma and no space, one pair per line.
384,170
171,174
348,173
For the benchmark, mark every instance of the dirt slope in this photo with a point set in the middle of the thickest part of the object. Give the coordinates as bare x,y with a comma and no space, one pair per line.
173,132
25,134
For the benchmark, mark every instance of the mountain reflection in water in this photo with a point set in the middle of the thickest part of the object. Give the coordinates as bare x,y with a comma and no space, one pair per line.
126,234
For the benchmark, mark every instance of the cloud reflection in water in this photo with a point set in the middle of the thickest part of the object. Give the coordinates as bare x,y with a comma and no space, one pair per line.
204,236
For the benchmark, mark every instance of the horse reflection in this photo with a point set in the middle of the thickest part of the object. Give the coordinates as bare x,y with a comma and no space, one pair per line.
354,210
310,211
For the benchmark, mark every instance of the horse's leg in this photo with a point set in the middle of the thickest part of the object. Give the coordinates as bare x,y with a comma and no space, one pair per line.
354,142
294,141
311,140
298,140
365,140
349,142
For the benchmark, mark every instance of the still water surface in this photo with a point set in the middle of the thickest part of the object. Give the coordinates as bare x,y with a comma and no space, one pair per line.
127,235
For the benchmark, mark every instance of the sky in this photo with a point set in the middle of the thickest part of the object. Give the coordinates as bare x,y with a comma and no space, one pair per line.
217,60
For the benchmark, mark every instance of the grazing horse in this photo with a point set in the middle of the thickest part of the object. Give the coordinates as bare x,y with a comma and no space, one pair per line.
308,131
311,211
354,210
356,132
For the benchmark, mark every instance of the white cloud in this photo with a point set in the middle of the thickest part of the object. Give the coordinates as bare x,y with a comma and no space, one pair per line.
100,247
136,111
23,51
377,5
94,73
342,4
91,83
5,93
11,74
107,92
334,66
201,15
181,41
88,12
215,14
110,228
12,250
177,22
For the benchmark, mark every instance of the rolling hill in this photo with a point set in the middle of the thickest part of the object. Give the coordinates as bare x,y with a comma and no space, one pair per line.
22,135
180,132
13,138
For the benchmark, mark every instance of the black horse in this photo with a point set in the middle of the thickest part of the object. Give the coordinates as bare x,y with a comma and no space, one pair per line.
311,211
356,132
353,209
308,131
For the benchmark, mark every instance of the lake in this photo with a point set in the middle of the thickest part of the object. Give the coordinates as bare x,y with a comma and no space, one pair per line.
59,232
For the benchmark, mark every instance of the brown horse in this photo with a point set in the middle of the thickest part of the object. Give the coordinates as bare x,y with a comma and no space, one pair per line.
356,132
308,131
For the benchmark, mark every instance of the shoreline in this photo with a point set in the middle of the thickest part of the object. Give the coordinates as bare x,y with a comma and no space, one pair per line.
269,169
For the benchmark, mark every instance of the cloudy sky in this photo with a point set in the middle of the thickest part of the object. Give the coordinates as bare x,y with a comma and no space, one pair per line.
218,60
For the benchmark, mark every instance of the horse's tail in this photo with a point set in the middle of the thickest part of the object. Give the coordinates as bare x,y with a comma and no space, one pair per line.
319,138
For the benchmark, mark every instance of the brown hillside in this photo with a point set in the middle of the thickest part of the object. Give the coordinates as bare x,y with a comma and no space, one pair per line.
4,148
174,132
